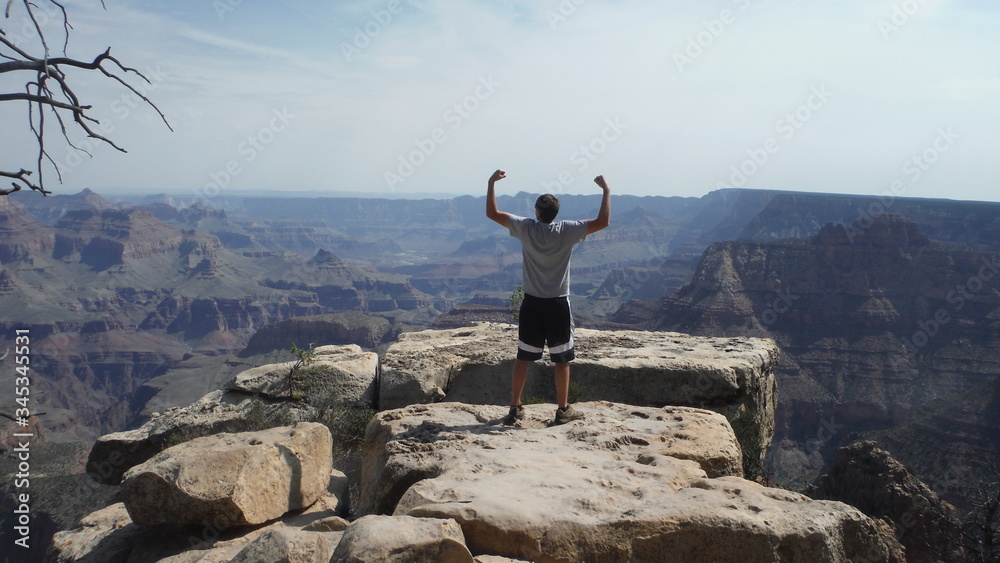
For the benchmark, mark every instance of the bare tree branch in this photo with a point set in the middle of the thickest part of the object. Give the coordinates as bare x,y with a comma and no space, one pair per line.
50,91
22,177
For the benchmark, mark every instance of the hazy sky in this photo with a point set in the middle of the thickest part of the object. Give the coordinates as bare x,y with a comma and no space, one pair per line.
430,96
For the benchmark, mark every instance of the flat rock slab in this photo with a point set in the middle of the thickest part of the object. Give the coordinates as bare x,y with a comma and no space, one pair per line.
625,484
734,376
471,365
231,479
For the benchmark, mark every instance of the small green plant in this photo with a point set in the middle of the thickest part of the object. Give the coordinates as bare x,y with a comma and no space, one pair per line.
304,357
516,298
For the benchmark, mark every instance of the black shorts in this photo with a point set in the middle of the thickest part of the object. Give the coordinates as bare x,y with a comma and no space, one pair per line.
545,321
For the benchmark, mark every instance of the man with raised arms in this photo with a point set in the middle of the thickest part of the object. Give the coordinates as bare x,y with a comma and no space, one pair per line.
545,315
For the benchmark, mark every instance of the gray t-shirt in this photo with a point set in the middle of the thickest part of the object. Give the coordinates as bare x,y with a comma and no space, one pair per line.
546,248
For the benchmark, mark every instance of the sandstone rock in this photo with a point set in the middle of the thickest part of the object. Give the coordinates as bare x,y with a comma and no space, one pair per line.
109,536
733,376
869,479
338,374
402,539
283,545
614,487
329,524
256,399
231,479
95,530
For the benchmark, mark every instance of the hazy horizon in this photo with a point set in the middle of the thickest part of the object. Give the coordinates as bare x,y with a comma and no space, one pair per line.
404,97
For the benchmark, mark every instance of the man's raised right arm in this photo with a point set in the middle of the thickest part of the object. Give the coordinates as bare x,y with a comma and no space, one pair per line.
604,214
491,201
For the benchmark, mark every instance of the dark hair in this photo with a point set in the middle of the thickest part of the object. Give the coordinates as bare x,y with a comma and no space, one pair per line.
548,207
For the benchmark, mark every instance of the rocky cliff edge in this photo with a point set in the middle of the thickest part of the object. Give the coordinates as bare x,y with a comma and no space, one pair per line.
448,481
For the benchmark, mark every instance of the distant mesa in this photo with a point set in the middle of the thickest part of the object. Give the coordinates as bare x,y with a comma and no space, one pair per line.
326,258
884,231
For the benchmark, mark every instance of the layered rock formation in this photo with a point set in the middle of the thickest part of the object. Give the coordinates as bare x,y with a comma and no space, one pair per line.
473,364
884,333
337,328
102,239
21,237
868,478
114,297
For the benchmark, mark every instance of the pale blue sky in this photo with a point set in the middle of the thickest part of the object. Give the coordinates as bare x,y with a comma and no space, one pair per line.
430,96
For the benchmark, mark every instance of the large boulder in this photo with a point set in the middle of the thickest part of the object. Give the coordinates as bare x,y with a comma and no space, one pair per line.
402,539
255,399
231,479
628,483
734,376
110,536
870,479
284,545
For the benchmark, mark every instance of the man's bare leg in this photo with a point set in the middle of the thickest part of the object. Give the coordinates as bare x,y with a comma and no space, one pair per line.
518,379
562,384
